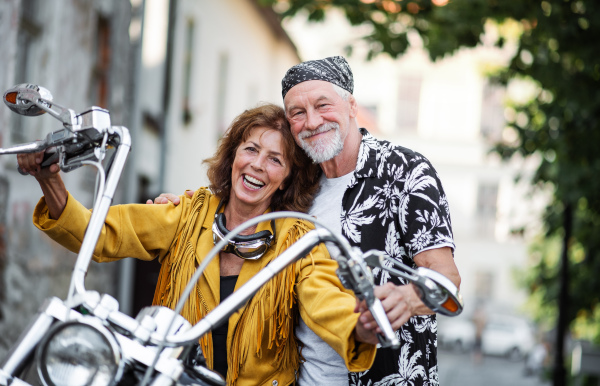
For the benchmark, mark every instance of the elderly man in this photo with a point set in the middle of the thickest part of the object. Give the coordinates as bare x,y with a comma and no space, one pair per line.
379,196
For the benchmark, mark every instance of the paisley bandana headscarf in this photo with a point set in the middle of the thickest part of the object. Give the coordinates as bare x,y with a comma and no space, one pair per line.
334,69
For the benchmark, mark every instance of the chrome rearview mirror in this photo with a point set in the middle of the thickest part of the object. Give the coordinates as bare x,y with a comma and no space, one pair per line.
25,99
443,297
435,290
32,100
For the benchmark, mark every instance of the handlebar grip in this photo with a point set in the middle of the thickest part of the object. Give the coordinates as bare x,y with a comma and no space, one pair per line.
388,337
50,157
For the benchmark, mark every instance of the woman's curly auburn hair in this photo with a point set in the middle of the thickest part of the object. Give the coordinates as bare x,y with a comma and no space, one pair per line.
301,184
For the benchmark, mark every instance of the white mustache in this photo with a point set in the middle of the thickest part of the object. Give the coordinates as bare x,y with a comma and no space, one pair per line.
321,129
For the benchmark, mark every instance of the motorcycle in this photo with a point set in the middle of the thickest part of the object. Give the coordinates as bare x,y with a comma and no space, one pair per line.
85,339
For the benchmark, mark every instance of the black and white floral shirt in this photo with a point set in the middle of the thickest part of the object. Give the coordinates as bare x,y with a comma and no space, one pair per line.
396,203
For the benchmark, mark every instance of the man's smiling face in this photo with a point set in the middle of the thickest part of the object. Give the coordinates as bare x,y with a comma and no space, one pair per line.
319,118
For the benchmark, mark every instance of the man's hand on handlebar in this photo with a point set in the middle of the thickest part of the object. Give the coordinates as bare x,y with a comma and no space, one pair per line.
400,302
165,198
365,335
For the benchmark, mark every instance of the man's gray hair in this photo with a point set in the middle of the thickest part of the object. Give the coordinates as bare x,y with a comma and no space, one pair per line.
344,94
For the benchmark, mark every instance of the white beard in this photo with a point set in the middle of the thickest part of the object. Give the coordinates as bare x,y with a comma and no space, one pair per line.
322,149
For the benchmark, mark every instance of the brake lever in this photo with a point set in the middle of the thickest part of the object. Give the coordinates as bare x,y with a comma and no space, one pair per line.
356,275
60,147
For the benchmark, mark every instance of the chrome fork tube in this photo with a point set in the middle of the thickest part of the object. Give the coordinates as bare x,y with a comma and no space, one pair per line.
99,216
16,359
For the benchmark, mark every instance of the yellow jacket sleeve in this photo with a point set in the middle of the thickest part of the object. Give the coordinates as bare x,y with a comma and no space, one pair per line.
134,230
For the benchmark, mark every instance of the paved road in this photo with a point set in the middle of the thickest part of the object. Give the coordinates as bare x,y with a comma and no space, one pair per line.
459,369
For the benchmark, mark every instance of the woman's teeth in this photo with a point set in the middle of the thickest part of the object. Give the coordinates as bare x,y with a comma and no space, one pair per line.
252,182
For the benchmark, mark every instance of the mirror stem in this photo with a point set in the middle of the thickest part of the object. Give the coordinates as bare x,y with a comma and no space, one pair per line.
66,116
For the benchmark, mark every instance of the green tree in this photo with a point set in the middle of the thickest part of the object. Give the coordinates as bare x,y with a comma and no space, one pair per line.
557,50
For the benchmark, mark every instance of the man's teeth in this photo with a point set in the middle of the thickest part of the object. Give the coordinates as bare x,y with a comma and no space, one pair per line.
253,181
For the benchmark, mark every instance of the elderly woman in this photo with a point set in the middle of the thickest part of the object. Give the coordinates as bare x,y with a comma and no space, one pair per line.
257,168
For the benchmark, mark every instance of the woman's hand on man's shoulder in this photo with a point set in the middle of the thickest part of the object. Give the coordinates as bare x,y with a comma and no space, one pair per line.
165,198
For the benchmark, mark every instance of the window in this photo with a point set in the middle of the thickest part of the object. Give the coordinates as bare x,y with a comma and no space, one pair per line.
409,95
487,196
492,113
100,82
30,29
223,70
484,282
186,113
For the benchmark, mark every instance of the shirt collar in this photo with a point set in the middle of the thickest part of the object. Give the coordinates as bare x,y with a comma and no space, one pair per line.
368,156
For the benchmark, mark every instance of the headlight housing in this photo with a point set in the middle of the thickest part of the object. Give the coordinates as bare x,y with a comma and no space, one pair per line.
79,353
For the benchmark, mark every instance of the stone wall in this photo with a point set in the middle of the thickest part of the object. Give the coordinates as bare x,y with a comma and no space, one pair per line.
80,50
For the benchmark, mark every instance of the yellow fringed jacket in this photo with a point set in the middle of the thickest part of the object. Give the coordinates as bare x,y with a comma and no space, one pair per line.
261,347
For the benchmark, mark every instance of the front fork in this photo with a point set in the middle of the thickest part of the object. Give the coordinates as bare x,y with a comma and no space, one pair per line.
22,351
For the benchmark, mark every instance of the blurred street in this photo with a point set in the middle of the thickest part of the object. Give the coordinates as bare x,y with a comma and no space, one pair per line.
459,369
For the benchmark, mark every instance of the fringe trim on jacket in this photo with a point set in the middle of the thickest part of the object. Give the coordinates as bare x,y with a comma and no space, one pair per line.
277,295
177,269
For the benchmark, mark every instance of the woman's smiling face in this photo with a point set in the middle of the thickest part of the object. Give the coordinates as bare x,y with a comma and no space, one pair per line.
259,169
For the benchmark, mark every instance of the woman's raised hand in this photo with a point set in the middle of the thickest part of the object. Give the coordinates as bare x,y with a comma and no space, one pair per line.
165,198
31,164
51,183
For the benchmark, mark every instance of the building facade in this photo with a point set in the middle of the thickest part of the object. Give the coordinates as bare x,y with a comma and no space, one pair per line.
80,51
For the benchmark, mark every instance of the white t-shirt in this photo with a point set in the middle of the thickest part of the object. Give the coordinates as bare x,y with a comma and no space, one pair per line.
324,366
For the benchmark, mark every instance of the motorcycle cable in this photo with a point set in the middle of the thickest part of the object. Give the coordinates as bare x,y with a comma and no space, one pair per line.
98,191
